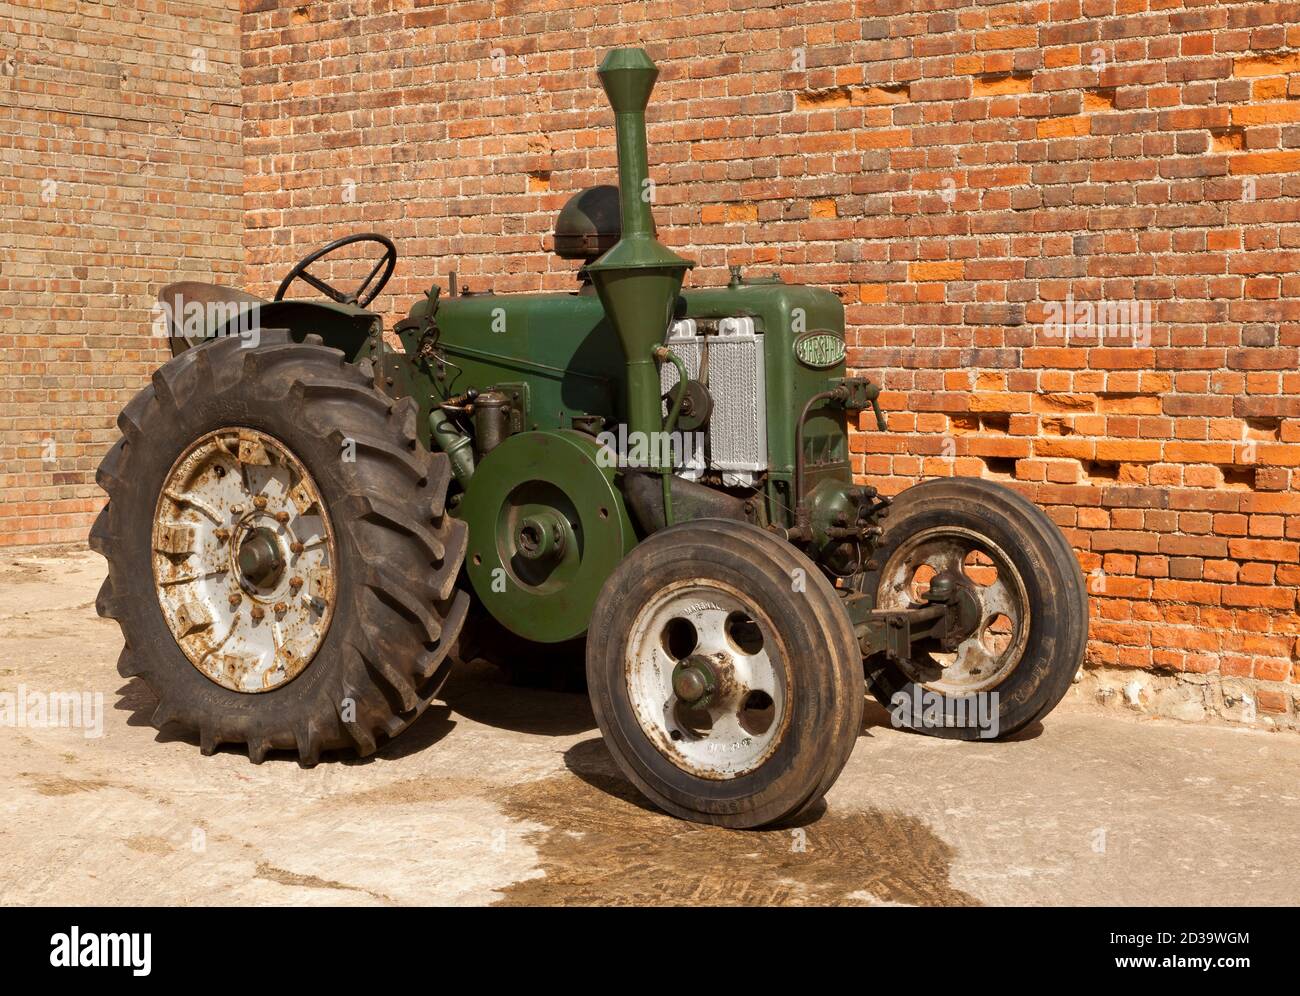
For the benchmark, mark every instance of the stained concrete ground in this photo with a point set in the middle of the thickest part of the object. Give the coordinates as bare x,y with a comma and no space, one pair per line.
501,794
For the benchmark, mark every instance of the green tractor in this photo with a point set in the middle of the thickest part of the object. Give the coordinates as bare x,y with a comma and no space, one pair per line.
307,527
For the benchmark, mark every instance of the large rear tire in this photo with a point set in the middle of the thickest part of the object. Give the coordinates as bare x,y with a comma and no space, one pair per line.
246,634
724,674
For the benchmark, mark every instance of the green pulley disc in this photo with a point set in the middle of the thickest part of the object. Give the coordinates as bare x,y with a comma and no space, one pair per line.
547,526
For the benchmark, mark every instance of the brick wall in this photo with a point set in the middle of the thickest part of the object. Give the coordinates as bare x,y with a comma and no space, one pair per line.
951,169
120,171
955,174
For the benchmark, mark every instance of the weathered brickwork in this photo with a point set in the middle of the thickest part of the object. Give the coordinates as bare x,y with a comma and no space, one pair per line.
120,170
956,171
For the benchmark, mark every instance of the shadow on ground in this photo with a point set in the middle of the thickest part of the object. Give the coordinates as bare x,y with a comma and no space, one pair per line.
478,691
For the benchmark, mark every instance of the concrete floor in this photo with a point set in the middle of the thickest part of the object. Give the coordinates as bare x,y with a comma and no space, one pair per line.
506,795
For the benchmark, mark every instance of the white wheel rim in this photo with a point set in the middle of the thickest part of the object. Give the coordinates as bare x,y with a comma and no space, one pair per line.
979,663
747,709
231,489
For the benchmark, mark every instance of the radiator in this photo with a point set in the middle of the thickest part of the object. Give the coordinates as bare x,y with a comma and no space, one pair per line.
735,438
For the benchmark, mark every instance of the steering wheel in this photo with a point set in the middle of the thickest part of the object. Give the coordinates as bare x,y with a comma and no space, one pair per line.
360,297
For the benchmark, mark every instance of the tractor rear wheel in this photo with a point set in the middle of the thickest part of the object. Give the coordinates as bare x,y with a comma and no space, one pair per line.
1021,589
724,674
279,558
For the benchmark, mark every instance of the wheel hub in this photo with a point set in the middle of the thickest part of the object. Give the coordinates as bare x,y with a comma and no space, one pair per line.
959,593
694,681
969,571
244,560
707,679
261,561
542,535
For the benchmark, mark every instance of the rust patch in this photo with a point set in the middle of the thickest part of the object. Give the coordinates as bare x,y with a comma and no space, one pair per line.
225,495
606,846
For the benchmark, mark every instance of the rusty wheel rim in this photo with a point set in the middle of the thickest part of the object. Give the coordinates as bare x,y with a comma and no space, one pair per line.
244,560
706,680
994,647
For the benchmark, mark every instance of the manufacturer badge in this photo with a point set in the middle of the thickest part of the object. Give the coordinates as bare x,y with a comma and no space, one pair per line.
819,349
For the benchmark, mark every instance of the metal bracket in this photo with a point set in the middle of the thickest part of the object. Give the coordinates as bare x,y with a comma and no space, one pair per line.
859,393
895,630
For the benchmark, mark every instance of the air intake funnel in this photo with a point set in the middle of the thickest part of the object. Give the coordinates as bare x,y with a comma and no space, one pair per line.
639,279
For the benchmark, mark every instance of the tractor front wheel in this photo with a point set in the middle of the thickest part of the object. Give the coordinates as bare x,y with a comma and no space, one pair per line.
724,674
1021,594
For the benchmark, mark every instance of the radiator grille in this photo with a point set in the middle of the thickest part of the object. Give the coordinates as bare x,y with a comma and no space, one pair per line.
736,434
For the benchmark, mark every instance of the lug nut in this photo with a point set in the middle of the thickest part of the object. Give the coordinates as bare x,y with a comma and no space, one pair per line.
296,547
282,517
295,582
259,502
236,509
222,534
258,613
235,599
281,608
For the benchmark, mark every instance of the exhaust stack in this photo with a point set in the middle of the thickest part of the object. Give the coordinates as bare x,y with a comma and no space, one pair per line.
638,280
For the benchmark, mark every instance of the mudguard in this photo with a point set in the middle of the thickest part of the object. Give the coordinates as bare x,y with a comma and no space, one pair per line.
190,313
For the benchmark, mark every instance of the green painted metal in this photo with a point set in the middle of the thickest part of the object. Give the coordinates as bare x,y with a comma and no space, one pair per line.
538,584
564,348
547,519
458,446
343,326
783,312
638,281
670,423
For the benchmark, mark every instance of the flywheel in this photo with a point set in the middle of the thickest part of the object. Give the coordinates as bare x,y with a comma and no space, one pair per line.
547,526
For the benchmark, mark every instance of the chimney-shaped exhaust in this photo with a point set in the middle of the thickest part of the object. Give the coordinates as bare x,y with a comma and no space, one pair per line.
639,279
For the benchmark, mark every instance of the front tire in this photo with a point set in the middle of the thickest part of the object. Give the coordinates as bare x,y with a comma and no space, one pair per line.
291,505
724,674
1029,607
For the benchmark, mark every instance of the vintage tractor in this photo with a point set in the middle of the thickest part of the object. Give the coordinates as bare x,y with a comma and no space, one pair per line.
306,527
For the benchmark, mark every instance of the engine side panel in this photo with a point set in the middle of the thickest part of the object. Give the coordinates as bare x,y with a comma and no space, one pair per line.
560,349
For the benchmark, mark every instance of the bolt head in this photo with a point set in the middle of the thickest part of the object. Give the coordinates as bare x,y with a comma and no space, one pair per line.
259,502
282,517
257,613
235,598
688,684
295,582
